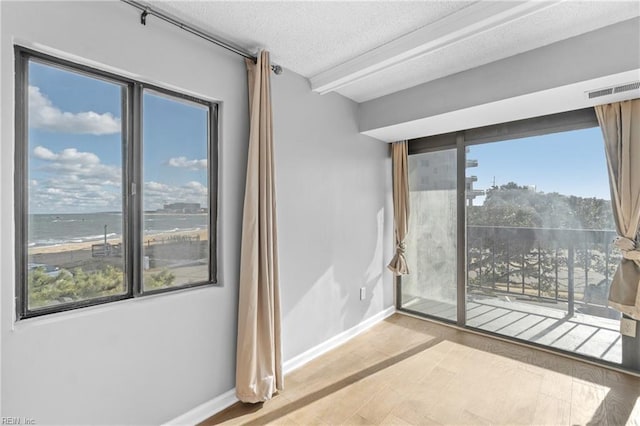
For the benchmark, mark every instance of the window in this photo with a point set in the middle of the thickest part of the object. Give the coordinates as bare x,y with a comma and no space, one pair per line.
175,193
540,257
115,187
517,241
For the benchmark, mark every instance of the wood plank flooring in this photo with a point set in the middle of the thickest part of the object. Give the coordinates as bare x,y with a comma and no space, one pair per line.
406,371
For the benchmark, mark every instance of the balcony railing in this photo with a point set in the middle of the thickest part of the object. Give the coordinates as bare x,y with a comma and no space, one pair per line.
543,265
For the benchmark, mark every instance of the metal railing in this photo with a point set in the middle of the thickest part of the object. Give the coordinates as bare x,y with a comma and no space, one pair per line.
543,264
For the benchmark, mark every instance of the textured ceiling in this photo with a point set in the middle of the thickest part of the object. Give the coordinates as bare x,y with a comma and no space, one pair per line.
311,37
567,19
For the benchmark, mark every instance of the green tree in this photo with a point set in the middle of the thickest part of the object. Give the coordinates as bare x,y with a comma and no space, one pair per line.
519,206
45,290
495,256
161,279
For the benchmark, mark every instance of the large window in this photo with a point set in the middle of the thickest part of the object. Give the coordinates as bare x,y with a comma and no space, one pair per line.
511,233
115,187
540,257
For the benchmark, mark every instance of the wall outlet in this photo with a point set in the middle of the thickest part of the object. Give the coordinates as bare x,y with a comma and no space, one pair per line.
628,327
363,293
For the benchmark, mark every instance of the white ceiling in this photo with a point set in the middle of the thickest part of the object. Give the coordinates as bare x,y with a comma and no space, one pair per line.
367,49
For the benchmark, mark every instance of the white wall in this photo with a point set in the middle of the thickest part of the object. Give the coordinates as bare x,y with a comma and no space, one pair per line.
149,360
334,215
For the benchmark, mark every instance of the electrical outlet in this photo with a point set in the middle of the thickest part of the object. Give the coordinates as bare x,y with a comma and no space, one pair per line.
628,327
363,293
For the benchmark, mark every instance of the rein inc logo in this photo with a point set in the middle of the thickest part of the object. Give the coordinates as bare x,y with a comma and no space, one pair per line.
17,421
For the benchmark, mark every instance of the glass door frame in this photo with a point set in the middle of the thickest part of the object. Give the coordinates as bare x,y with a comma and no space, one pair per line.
437,144
461,140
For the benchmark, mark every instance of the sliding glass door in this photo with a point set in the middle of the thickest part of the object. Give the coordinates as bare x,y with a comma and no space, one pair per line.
539,254
515,239
430,288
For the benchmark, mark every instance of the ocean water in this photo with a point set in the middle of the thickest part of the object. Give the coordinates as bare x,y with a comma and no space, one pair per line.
56,229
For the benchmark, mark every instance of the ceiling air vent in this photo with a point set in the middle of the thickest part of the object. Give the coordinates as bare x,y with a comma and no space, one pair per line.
626,87
616,89
601,92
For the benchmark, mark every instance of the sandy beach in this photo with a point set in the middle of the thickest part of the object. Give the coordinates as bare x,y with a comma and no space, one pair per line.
73,255
202,234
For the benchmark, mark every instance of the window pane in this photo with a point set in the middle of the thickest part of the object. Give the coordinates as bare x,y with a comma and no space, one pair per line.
175,193
540,259
430,288
75,201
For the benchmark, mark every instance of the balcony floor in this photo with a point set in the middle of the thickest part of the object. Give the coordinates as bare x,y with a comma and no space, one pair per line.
544,323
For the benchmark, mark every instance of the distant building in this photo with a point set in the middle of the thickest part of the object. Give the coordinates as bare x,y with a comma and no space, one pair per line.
438,173
188,208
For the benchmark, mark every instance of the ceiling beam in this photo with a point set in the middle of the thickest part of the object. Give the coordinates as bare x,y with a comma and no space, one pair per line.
465,23
569,97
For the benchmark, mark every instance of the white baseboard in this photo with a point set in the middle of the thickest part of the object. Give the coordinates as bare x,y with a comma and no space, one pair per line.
203,411
219,403
335,341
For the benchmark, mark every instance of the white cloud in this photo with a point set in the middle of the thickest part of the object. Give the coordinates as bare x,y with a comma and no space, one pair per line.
74,181
76,165
195,188
157,194
44,115
156,187
43,153
68,155
182,162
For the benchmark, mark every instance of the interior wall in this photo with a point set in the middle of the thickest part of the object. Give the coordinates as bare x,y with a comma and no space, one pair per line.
334,213
139,361
148,360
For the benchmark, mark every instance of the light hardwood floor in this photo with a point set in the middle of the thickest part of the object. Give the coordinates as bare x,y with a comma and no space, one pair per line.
405,371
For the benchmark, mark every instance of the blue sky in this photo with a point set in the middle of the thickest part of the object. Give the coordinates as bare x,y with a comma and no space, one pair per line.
570,163
75,145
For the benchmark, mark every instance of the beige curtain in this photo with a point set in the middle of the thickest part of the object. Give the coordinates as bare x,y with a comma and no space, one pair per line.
258,357
620,124
400,165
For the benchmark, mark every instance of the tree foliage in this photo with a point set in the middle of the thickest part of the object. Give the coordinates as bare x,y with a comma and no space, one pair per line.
519,206
68,286
161,279
528,261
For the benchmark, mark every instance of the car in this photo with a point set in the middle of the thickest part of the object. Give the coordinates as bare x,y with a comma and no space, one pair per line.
50,270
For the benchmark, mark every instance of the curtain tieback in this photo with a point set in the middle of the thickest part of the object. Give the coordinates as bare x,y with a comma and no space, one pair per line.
628,247
401,248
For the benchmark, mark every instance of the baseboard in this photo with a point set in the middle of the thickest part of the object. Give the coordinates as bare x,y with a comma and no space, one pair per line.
335,341
219,403
203,411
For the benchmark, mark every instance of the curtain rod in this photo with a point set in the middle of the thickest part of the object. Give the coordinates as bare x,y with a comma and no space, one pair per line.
146,10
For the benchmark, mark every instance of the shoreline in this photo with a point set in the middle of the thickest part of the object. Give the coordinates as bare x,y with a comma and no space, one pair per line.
202,234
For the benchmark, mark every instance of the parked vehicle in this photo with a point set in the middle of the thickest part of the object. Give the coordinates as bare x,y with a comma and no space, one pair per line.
52,271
